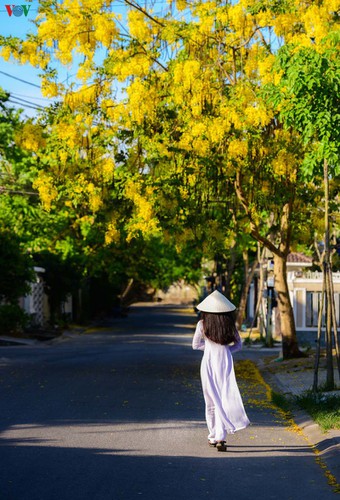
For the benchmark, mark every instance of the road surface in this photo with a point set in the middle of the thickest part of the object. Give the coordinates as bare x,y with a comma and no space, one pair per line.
117,414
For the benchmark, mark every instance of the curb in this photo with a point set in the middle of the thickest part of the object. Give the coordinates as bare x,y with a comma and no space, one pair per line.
8,341
326,445
65,336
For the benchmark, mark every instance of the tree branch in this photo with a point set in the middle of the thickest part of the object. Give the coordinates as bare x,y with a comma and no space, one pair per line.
138,7
255,230
7,190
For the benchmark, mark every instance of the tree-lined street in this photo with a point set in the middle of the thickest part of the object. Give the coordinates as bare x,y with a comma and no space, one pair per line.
178,147
117,413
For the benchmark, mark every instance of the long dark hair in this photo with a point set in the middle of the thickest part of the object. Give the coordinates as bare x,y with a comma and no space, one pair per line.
220,327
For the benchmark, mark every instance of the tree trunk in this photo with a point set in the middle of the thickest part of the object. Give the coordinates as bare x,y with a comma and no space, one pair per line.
335,328
230,271
328,274
248,278
290,347
318,341
329,344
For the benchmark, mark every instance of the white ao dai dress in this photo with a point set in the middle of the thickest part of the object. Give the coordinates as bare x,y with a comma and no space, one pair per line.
224,408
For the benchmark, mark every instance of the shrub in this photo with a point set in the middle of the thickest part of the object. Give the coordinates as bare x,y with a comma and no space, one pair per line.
15,268
12,318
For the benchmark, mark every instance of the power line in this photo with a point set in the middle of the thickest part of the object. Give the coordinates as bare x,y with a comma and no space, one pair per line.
20,80
28,102
15,94
25,105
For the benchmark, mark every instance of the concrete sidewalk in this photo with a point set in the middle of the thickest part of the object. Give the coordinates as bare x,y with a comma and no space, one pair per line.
294,382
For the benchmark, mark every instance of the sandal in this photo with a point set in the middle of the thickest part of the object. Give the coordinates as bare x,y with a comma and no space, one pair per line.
221,446
212,444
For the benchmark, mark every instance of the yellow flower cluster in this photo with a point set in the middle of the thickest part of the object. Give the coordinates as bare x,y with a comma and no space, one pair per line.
265,69
206,24
283,23
263,18
237,16
200,145
107,169
142,100
238,148
235,117
112,234
85,95
126,64
307,23
31,53
50,88
85,191
78,27
68,133
105,29
170,34
6,52
63,156
31,137
203,134
184,192
182,4
46,189
143,219
257,115
285,165
85,70
139,27
185,74
95,200
116,112
254,54
217,129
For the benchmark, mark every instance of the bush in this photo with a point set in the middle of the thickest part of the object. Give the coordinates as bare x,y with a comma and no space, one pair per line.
16,269
12,319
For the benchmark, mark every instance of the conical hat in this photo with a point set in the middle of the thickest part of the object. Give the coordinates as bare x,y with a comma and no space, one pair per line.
216,303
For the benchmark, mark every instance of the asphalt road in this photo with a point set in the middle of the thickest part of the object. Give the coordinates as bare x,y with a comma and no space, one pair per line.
118,414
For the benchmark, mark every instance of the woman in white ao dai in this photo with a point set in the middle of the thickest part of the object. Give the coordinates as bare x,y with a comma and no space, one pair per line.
224,408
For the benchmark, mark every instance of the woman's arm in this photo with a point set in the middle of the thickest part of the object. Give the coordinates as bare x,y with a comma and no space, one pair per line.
198,340
237,346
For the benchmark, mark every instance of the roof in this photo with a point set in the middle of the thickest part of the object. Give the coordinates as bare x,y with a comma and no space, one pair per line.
299,258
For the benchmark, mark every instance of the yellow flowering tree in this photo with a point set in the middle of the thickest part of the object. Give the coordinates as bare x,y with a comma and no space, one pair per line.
173,100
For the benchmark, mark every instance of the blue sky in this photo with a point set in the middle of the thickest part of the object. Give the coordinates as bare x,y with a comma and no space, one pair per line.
22,81
19,25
